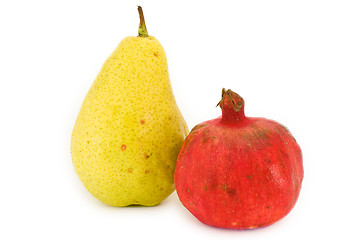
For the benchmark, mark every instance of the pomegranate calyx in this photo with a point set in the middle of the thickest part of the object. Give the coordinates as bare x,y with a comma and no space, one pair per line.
232,106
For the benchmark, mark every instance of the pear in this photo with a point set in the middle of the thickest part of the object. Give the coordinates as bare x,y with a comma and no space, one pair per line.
129,130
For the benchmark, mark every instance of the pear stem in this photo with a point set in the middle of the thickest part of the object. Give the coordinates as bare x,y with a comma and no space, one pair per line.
142,27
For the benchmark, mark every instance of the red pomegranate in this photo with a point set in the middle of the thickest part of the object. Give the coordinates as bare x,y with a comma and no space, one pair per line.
239,172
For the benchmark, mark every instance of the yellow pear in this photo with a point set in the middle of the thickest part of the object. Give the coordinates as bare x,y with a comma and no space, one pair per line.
129,130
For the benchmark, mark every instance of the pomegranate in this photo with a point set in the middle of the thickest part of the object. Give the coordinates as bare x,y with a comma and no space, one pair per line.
239,172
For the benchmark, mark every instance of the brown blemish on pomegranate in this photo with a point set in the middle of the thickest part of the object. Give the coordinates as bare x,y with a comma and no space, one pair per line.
263,135
197,127
230,191
123,147
224,187
249,176
282,162
208,139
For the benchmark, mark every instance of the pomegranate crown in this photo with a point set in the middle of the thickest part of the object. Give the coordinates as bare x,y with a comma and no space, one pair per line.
232,106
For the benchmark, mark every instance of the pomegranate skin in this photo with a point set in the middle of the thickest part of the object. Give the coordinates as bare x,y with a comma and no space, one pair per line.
239,172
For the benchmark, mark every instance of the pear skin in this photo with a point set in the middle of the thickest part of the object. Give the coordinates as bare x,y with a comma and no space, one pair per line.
129,130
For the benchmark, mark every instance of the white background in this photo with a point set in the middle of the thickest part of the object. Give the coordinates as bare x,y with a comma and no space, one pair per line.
297,62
